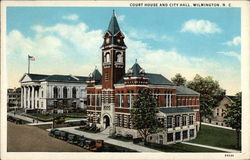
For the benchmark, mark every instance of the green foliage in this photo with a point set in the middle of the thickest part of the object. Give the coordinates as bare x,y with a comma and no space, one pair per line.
179,80
233,116
210,94
144,113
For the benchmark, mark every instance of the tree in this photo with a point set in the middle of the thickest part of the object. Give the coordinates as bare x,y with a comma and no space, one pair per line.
210,94
144,113
233,116
179,80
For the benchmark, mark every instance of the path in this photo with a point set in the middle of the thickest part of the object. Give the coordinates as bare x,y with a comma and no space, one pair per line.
106,139
31,120
211,147
213,125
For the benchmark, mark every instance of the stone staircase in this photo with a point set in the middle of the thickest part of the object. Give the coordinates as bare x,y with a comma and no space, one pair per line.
106,131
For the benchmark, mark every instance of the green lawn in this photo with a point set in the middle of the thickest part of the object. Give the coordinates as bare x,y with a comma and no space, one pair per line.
217,137
50,117
179,147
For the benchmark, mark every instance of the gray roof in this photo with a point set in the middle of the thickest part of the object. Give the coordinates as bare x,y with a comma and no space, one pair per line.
113,25
156,79
175,110
182,90
56,78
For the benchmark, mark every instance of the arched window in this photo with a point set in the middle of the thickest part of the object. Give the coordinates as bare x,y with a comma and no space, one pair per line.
65,94
55,91
74,92
119,57
107,57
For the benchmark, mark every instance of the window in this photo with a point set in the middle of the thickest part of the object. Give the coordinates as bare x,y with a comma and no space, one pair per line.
178,136
169,122
129,99
191,120
184,120
170,137
65,92
74,92
184,135
218,111
177,121
160,139
119,57
106,76
191,132
55,91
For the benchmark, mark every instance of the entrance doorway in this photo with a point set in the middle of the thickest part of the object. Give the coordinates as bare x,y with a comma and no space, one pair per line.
106,121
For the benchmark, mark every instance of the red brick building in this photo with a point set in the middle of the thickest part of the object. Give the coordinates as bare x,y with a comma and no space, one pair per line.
110,95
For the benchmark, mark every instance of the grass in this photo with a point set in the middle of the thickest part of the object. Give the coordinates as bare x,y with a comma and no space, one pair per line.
179,147
121,138
217,137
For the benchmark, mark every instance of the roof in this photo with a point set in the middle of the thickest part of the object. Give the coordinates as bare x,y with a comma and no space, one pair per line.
232,98
153,78
180,90
113,25
61,78
37,77
175,110
96,75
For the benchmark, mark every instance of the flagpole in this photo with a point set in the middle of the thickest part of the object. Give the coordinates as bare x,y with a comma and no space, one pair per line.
28,64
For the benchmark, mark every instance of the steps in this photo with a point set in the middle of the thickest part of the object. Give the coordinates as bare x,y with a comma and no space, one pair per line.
106,131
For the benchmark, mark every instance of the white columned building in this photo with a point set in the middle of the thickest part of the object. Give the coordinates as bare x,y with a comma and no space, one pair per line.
41,91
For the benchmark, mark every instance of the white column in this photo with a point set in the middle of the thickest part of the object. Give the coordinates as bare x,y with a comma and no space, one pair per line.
167,100
28,97
61,90
35,98
32,97
24,97
170,99
52,91
21,96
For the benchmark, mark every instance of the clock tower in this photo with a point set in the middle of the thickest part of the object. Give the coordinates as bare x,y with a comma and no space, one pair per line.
113,54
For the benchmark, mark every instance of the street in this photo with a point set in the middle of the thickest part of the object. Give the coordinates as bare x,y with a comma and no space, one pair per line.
23,138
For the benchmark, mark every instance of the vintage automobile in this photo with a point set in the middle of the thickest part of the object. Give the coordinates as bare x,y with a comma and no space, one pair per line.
89,144
81,141
99,144
63,135
72,138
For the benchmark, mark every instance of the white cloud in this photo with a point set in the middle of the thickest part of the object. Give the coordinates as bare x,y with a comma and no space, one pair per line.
234,42
120,18
200,27
75,49
71,17
231,54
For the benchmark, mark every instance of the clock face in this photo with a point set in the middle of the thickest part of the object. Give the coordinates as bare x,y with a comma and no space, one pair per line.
118,40
107,40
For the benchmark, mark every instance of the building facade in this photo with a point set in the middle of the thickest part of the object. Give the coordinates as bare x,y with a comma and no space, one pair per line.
44,92
14,97
219,111
110,95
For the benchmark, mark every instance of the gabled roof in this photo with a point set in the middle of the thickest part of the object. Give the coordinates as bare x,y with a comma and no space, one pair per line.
175,110
232,98
113,25
182,90
136,68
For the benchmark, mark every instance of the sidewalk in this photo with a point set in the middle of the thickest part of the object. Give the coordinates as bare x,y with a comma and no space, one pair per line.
211,147
213,125
106,139
31,120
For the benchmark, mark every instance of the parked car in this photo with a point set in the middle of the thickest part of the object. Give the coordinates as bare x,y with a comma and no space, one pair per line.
89,144
63,135
72,138
81,141
99,144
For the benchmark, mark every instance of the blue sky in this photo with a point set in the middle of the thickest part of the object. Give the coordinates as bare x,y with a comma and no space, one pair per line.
66,40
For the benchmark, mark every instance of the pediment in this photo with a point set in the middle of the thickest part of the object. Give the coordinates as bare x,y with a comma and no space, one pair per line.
25,78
